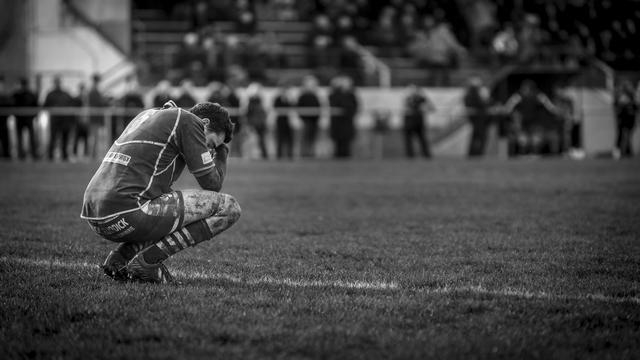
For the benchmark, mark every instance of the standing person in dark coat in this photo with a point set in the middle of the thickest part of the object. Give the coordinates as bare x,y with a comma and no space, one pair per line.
529,106
284,132
416,107
59,125
309,101
5,101
82,123
626,110
131,102
217,93
342,125
257,116
97,102
232,102
565,118
186,99
162,93
25,97
477,105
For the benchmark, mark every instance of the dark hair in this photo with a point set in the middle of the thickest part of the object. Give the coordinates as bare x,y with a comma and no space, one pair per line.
218,118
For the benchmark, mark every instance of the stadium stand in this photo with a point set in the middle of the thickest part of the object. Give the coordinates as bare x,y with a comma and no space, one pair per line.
387,44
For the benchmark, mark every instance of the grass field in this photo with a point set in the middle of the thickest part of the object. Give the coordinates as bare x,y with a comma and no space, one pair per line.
393,259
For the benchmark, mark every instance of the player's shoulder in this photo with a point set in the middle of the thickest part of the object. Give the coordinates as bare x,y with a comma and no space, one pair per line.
173,114
188,118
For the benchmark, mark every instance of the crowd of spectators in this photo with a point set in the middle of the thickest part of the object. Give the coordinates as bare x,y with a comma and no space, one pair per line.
396,28
561,32
438,34
340,31
211,55
77,126
530,122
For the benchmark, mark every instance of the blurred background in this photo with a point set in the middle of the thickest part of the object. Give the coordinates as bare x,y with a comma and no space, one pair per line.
327,78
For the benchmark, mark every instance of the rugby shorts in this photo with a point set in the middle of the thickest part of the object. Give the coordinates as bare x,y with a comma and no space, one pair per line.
153,221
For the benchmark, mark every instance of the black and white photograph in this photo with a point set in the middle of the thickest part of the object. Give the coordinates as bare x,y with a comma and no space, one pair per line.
319,179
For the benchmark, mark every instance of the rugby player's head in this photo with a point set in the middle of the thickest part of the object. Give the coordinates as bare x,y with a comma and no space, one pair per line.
216,119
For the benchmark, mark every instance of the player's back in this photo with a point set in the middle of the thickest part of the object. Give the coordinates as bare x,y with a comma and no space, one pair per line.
139,166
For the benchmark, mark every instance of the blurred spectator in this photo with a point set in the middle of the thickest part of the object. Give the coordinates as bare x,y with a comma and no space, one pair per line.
5,101
232,102
186,99
477,102
213,57
350,60
321,43
407,26
200,16
272,50
385,32
309,104
246,22
189,55
529,107
256,115
505,45
342,127
236,74
530,39
25,97
480,16
233,51
574,54
567,120
282,104
626,110
286,10
82,122
246,17
197,74
162,93
255,59
59,125
131,101
416,108
96,102
217,93
437,49
381,127
344,28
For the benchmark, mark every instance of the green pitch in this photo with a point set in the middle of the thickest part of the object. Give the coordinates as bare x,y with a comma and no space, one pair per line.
393,259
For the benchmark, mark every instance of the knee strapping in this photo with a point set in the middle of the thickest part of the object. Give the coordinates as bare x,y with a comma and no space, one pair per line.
200,231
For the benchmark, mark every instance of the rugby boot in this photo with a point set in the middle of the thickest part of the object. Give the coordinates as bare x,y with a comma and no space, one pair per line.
115,266
139,270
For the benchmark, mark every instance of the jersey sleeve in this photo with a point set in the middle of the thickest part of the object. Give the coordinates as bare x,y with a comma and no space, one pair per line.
192,145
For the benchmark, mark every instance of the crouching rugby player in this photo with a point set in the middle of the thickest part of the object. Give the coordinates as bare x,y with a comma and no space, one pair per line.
129,200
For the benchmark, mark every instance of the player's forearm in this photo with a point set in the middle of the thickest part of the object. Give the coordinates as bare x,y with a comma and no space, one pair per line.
213,180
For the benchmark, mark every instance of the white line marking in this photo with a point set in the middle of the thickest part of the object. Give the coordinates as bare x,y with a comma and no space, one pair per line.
372,285
375,285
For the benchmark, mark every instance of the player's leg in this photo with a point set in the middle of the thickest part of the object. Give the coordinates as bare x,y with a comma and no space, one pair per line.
138,230
205,213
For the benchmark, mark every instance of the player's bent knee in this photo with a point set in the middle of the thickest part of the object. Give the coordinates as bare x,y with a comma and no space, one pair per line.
233,209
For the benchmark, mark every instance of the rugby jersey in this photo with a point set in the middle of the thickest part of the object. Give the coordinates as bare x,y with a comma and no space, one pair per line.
145,160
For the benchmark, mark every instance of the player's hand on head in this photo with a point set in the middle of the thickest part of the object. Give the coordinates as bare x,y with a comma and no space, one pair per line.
221,150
